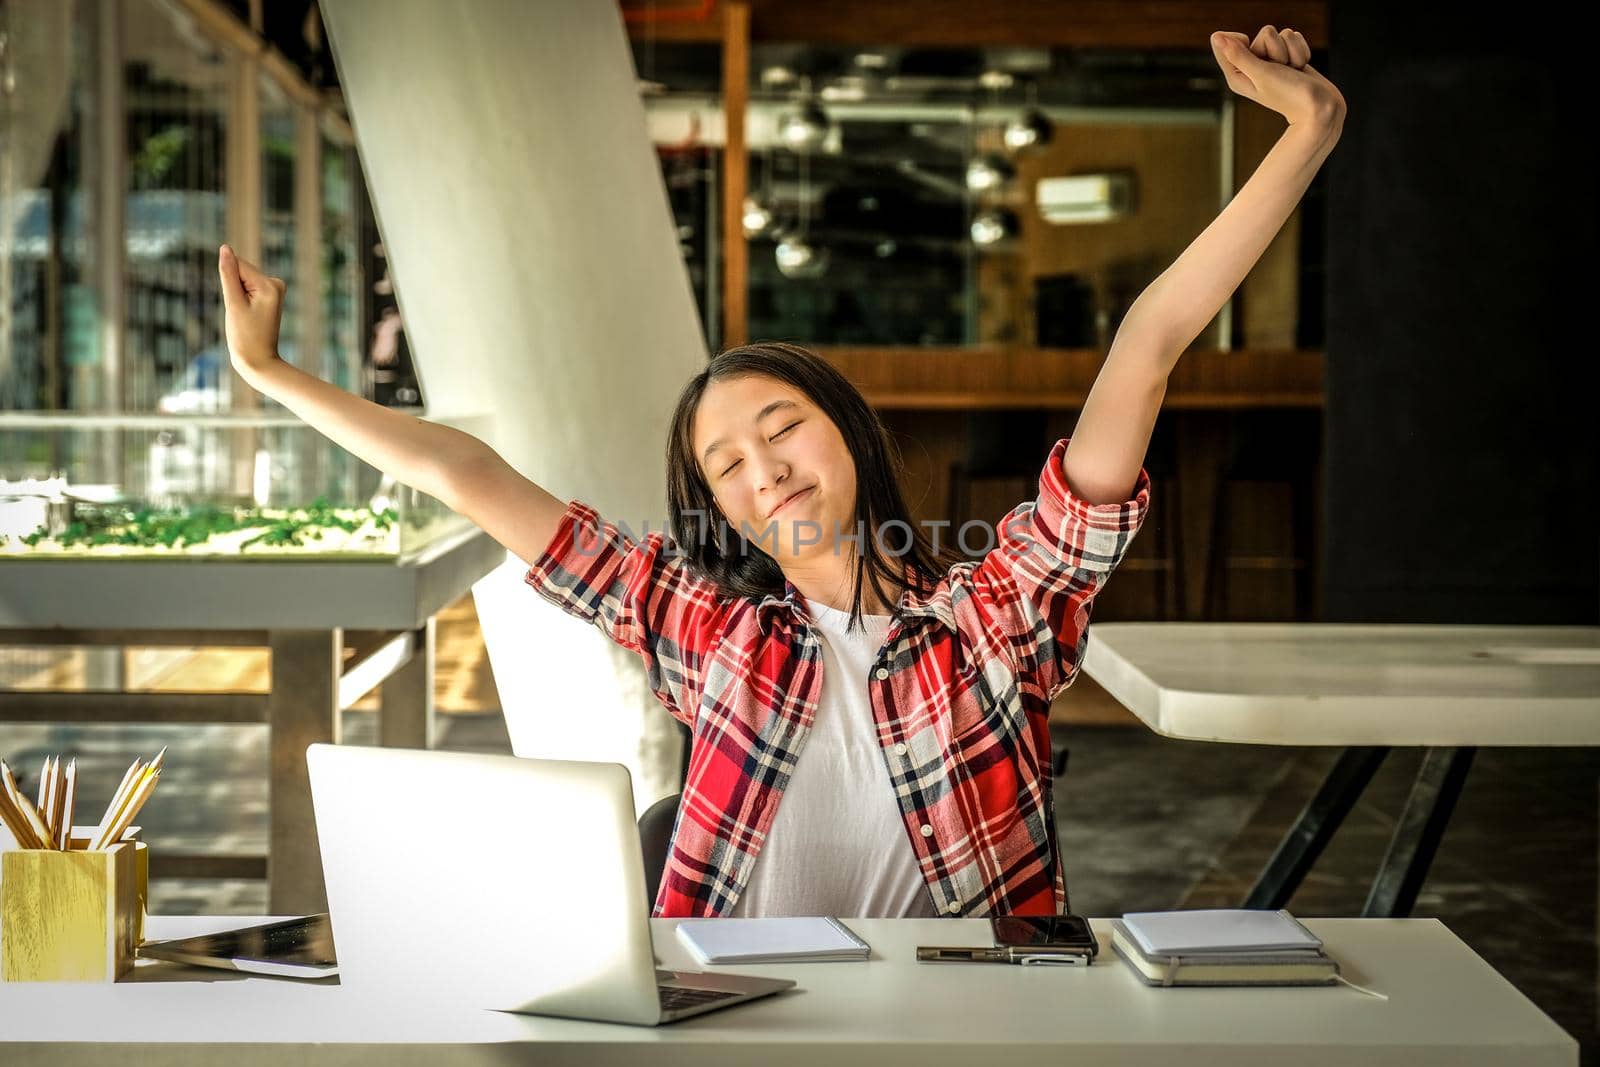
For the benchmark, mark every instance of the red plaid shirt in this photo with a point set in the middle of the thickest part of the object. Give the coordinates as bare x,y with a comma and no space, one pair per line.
960,693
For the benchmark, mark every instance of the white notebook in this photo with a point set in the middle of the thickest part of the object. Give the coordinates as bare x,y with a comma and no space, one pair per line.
1176,933
718,941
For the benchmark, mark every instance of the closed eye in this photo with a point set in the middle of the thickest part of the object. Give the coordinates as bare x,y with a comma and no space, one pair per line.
729,469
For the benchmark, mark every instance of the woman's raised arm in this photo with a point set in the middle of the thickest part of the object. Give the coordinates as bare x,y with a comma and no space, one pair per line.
458,469
1113,432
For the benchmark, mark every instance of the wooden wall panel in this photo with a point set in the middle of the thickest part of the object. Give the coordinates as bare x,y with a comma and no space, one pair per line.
1267,303
998,376
1175,171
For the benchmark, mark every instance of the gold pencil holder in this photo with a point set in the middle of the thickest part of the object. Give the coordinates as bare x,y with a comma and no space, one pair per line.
71,916
82,835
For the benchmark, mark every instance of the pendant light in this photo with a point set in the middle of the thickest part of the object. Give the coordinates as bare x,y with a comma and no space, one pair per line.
1032,127
757,214
797,258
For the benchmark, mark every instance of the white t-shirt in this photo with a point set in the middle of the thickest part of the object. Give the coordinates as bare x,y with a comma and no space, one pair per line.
838,845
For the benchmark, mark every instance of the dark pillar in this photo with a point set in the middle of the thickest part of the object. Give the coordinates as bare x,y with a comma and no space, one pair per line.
1461,382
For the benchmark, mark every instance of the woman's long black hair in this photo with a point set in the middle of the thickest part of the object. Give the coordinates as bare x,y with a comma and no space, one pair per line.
741,569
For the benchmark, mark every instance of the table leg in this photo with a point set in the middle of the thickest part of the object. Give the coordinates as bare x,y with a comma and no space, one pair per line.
1316,826
1416,837
302,707
405,716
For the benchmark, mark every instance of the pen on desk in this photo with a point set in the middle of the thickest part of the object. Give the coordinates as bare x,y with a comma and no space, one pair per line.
956,954
1021,954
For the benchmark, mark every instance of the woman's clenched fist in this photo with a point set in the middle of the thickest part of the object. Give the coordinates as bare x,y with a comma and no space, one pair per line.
1275,71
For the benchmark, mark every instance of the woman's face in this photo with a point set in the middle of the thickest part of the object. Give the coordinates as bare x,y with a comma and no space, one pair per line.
778,467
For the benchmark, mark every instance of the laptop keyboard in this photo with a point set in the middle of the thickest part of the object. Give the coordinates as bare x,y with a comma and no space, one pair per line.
674,998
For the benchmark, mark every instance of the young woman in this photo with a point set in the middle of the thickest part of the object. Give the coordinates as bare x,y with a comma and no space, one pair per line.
868,712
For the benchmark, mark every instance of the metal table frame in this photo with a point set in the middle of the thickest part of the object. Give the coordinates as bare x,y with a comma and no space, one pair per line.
1412,846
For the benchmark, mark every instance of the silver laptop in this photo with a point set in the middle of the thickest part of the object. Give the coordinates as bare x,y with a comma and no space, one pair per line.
497,882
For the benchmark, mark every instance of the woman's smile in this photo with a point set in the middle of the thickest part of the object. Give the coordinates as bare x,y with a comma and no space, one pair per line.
797,498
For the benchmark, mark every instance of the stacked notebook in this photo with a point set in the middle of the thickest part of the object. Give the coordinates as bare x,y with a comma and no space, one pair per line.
776,940
1226,946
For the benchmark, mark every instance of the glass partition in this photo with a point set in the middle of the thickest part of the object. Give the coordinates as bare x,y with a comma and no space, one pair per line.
278,151
176,96
940,197
203,487
341,266
115,193
49,314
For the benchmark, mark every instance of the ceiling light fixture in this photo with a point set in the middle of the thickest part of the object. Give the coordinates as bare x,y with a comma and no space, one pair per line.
988,173
757,218
797,258
1032,127
1028,129
992,227
776,75
804,129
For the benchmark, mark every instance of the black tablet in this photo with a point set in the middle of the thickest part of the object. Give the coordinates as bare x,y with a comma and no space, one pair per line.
289,948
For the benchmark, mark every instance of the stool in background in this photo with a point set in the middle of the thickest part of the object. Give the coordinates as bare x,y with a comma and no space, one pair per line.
1279,448
1003,465
1003,454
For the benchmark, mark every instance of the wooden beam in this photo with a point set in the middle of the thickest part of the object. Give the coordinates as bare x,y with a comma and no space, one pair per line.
1070,23
989,377
735,172
134,638
953,23
684,22
373,665
165,864
101,707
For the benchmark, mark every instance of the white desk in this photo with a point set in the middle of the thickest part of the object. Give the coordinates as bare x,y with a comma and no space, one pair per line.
1446,1006
1449,688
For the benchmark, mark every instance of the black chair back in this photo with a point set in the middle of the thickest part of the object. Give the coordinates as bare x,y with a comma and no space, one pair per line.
655,838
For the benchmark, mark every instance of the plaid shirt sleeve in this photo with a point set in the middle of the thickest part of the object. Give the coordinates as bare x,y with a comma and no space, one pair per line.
640,594
1051,558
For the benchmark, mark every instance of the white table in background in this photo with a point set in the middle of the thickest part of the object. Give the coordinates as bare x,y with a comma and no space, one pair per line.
1449,689
1446,1006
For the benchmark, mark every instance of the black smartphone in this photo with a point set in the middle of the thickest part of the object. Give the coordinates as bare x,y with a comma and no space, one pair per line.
1060,933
